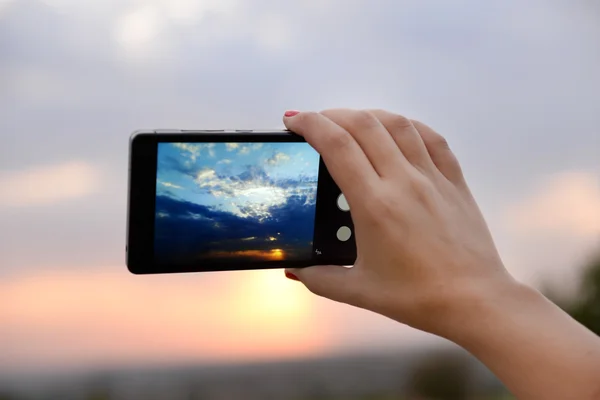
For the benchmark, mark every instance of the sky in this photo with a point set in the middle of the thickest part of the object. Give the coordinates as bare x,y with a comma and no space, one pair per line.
513,85
235,201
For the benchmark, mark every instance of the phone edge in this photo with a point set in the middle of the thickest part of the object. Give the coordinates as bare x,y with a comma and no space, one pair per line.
132,137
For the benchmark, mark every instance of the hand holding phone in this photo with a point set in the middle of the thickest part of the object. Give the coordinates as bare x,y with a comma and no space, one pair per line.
428,260
206,201
427,257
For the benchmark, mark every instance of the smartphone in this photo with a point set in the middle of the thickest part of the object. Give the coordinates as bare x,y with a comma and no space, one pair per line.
232,200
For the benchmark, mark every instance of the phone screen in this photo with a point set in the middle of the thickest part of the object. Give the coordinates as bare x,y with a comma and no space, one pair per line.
235,202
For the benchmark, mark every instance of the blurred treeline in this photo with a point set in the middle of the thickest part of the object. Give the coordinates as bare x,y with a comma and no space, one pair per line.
443,373
585,305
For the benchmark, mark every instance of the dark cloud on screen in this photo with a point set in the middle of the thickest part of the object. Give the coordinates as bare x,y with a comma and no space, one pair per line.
188,230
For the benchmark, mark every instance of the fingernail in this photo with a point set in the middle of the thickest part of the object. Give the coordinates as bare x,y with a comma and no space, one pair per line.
291,113
291,276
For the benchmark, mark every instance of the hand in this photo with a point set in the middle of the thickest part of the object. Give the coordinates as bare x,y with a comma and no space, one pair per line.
423,245
426,257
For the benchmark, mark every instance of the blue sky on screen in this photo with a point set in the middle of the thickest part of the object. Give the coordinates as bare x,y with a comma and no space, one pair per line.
199,173
232,197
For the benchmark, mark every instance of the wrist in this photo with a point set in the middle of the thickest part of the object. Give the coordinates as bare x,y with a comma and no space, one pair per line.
473,314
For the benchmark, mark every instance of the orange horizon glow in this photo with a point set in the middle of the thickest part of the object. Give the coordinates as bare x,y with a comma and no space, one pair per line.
277,254
264,255
89,316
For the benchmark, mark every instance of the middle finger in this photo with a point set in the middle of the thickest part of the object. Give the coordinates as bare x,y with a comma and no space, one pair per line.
372,136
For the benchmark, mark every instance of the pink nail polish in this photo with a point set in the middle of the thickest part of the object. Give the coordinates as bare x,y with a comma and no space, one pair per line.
291,113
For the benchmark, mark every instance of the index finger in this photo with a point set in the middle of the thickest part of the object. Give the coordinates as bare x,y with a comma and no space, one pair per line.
345,160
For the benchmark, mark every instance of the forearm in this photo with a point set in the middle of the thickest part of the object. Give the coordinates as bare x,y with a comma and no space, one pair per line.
535,348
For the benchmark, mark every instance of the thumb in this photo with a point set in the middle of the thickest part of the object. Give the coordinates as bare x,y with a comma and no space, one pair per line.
331,281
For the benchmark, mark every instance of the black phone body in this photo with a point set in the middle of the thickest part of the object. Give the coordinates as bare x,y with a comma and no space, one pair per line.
232,200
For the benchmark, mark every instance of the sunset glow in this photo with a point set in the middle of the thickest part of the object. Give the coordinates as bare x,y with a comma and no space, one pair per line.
277,254
263,255
97,318
278,307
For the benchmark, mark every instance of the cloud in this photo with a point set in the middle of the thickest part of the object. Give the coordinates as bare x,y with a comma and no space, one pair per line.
138,28
176,208
566,203
274,31
224,161
254,173
248,148
170,185
211,149
244,150
207,178
4,4
278,158
186,229
146,26
44,185
253,193
192,150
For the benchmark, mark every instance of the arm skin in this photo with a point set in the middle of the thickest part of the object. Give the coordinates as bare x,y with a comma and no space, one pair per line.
534,347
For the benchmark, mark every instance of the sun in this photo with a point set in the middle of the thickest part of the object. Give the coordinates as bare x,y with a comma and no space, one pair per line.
273,317
269,300
276,254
